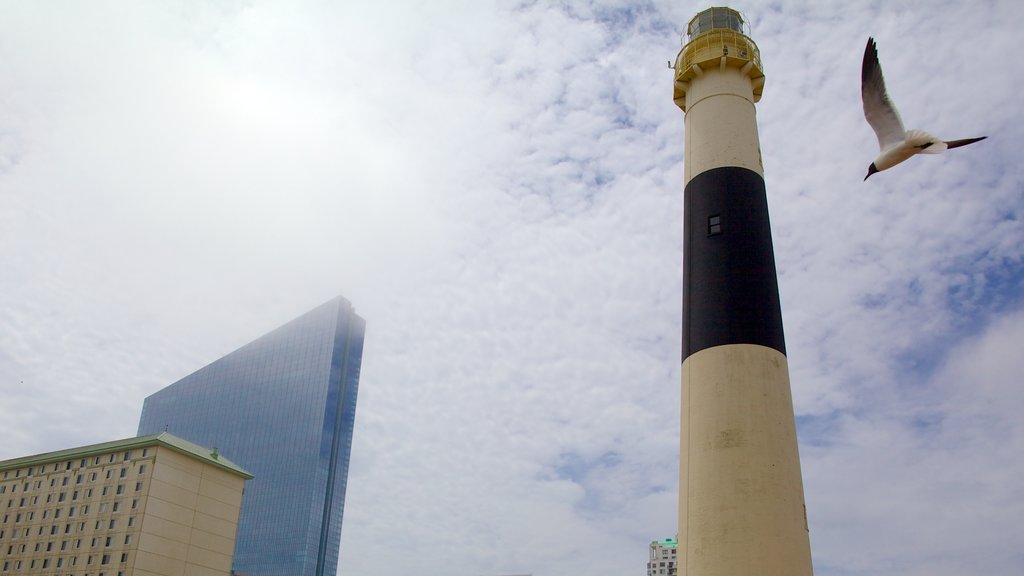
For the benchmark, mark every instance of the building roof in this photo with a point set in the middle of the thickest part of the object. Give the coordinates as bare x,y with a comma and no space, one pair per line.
164,439
667,543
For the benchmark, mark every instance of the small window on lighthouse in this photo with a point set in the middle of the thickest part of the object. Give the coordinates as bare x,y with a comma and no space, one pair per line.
714,225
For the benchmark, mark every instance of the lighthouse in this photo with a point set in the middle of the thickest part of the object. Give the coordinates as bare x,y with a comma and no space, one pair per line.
741,499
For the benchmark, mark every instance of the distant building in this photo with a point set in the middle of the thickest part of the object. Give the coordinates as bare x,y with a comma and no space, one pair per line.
662,557
148,506
282,406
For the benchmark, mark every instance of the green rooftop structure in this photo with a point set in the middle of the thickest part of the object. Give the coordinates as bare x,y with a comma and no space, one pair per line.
661,559
139,442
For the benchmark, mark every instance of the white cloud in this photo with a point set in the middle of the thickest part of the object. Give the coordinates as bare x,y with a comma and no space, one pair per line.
498,189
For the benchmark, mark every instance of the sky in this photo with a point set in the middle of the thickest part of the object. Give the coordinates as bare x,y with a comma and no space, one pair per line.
497,188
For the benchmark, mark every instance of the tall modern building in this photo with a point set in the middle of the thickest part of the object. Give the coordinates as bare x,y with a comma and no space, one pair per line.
283,407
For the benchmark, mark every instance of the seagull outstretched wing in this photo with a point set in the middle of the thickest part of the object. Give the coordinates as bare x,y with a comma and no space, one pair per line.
878,109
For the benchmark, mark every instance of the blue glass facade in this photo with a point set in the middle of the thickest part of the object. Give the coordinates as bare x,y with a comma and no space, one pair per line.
282,407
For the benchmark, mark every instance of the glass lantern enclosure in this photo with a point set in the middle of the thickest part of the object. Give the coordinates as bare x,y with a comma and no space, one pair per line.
715,18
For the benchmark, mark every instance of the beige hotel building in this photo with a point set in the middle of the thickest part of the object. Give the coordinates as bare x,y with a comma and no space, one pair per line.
148,506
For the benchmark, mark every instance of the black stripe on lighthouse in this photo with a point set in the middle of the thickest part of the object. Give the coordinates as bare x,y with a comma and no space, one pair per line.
730,288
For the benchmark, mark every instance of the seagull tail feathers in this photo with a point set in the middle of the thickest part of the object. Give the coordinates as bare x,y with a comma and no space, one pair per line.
964,142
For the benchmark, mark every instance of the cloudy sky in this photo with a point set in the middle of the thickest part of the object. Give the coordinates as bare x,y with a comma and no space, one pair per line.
497,187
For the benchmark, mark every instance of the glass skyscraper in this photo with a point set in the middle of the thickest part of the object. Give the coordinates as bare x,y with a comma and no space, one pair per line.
283,407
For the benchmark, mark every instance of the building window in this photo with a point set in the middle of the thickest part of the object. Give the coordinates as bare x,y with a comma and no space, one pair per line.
714,225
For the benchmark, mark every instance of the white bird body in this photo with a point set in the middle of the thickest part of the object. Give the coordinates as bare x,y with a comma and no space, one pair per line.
914,142
894,143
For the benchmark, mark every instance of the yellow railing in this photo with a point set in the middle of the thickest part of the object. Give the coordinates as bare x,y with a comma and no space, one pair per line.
711,46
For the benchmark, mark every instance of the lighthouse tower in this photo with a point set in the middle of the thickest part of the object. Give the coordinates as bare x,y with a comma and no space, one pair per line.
741,500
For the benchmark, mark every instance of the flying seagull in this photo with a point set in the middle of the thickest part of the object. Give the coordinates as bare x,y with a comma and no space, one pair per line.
894,143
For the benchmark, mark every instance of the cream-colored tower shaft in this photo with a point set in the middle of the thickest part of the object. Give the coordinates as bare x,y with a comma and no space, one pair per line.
721,122
741,509
741,495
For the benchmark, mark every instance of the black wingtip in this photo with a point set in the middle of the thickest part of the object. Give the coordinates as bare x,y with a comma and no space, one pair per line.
964,142
870,59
